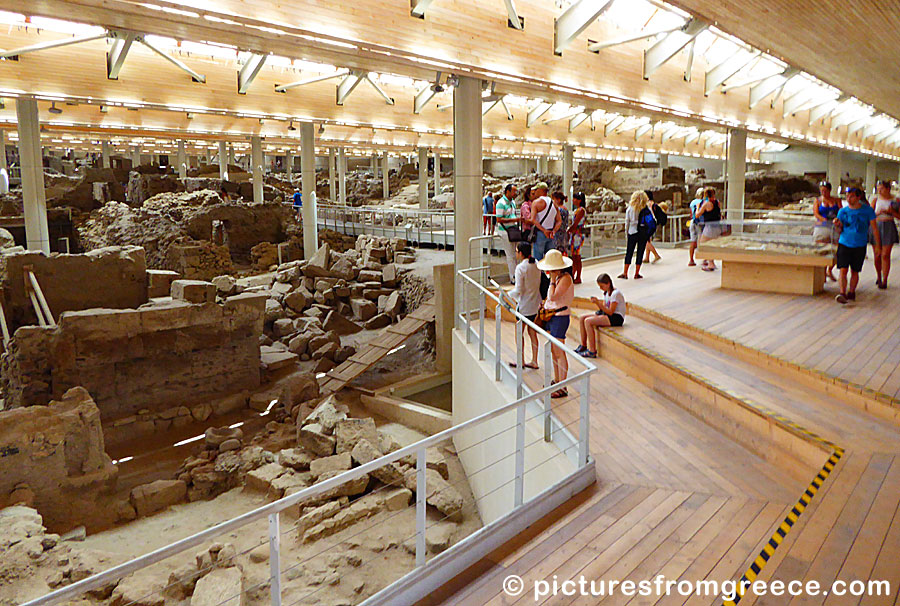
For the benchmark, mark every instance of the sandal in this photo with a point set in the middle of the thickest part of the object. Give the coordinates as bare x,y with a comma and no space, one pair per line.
638,277
531,366
692,264
560,393
623,276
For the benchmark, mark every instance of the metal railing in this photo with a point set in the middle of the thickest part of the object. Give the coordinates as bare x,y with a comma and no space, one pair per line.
433,226
529,406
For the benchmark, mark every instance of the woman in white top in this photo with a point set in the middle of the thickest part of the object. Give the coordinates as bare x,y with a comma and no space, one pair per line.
527,295
610,312
886,210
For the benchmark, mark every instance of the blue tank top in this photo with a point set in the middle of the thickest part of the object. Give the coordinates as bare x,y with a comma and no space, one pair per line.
828,212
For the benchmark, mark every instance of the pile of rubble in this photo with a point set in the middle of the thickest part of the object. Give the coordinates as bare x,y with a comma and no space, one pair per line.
313,303
165,218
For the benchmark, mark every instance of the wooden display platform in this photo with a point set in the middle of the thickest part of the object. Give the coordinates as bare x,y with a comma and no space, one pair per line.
769,272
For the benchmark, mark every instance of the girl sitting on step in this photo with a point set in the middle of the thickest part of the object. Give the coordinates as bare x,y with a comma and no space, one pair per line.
610,312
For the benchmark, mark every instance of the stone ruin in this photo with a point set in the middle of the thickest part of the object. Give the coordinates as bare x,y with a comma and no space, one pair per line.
169,218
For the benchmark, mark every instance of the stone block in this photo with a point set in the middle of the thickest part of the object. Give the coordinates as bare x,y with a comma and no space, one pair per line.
369,275
314,439
338,462
389,275
159,282
337,323
156,496
220,586
261,478
379,321
397,499
350,431
295,458
326,414
193,291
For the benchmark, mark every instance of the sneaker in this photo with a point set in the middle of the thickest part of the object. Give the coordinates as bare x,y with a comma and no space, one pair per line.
841,298
851,296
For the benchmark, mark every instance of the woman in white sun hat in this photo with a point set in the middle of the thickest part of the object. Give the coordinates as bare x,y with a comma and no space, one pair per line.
560,296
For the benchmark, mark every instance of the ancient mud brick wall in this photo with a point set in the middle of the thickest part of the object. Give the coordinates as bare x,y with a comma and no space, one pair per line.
146,368
53,458
113,277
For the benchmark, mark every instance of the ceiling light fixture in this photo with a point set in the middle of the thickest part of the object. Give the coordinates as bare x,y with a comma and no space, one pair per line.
54,109
291,126
322,128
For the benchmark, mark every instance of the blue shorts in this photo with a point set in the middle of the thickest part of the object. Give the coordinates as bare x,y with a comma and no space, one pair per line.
558,326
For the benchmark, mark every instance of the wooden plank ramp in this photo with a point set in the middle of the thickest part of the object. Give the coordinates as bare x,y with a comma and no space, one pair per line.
370,353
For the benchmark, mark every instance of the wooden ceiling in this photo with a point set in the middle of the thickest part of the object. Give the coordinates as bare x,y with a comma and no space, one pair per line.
851,44
458,36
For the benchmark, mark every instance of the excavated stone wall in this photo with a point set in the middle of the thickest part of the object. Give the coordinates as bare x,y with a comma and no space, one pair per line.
146,368
113,277
52,457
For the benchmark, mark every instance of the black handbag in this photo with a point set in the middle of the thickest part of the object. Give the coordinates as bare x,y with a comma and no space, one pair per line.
514,234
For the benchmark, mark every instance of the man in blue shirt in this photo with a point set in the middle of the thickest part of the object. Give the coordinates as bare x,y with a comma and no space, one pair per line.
487,204
298,202
854,221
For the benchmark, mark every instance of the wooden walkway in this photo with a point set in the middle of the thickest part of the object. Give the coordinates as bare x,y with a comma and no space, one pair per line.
675,497
859,343
370,353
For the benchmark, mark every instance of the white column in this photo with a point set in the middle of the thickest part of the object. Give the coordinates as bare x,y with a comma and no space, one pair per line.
3,164
223,161
437,172
374,165
467,167
308,178
4,173
289,165
871,164
568,167
664,161
135,156
736,164
835,169
104,154
342,176
37,235
331,160
423,178
385,177
180,159
231,157
256,161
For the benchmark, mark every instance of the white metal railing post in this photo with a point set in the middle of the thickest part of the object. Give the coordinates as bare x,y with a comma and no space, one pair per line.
584,426
275,558
519,497
520,356
420,507
498,318
548,379
465,294
482,311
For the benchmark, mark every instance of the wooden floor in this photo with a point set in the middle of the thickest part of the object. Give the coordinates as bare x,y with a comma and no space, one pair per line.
674,497
858,342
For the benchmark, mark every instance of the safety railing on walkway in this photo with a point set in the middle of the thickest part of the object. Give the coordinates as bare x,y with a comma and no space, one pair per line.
434,226
398,506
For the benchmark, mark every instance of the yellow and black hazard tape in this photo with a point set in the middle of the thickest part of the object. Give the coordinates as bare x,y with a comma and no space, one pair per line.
803,502
780,533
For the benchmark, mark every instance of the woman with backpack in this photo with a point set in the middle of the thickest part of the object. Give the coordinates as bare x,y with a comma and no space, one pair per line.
660,216
639,223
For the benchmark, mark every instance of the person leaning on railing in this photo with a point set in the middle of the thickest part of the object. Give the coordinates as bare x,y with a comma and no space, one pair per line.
527,296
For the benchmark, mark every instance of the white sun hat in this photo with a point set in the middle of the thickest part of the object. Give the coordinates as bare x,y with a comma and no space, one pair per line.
554,260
